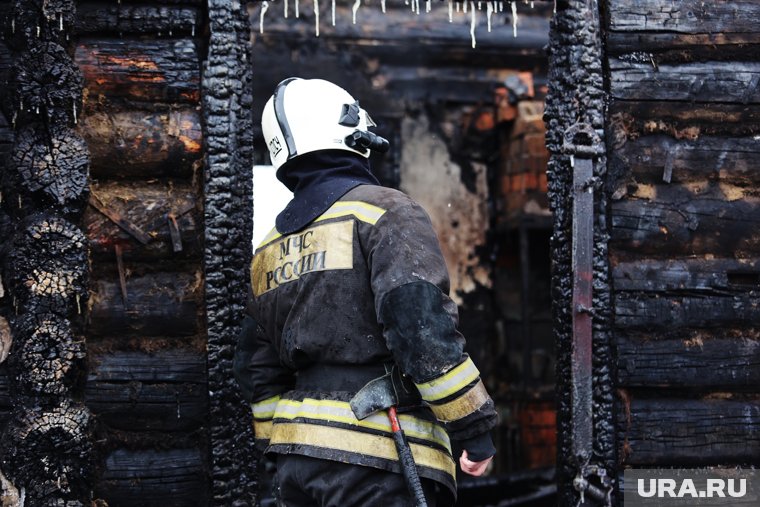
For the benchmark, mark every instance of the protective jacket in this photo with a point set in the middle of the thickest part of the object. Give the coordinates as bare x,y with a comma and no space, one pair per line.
361,288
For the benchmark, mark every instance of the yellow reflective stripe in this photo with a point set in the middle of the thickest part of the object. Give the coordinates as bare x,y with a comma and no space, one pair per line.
340,412
271,236
462,406
265,409
452,381
262,429
341,439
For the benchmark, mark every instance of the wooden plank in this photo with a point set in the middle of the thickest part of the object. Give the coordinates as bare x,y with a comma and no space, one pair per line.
98,18
684,16
658,312
154,478
158,304
682,119
163,70
714,81
664,45
136,391
147,206
685,432
662,221
143,144
707,276
701,361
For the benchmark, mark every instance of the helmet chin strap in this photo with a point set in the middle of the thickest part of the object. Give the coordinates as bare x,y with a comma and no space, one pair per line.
364,140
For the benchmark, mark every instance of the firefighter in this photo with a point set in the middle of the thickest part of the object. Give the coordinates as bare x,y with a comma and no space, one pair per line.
350,285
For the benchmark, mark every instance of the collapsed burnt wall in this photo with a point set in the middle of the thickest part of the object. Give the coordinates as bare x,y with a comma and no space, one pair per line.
45,455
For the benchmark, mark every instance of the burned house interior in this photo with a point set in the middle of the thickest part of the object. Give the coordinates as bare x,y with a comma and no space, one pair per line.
588,165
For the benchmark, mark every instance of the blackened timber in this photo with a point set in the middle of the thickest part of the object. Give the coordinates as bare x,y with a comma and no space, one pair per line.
159,304
685,119
684,222
154,478
163,70
143,144
688,276
683,47
168,20
685,16
147,205
137,391
700,359
688,432
714,81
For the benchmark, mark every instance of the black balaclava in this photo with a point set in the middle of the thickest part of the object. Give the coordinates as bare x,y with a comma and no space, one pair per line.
317,180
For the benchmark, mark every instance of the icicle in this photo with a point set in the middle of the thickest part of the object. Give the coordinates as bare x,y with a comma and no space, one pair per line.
171,32
13,25
264,9
38,30
354,9
79,306
37,110
464,6
572,161
316,17
333,13
514,19
298,14
285,8
451,11
382,5
19,202
489,13
75,113
479,6
60,22
428,6
192,30
532,4
501,6
457,6
417,3
555,7
472,25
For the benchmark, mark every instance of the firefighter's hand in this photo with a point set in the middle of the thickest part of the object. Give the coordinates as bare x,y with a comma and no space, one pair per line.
475,468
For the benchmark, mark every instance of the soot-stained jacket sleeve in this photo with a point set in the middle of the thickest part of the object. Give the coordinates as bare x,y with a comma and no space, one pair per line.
411,285
261,376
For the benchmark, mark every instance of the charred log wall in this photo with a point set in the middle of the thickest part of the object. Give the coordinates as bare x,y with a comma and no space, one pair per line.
684,118
45,453
146,330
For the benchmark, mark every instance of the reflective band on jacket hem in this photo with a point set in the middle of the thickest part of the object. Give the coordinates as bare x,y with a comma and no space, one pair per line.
262,429
264,409
450,382
360,210
340,412
345,440
462,406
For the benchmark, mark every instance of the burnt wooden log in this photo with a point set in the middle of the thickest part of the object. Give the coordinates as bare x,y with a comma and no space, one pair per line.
698,360
48,359
157,304
154,478
153,207
689,276
136,391
51,163
46,451
159,70
143,144
6,403
97,18
687,432
32,21
47,266
664,220
45,83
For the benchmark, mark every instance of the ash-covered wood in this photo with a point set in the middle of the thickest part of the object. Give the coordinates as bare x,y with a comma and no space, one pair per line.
693,359
143,144
147,205
157,304
722,428
136,391
47,451
48,358
227,79
47,266
52,162
45,83
154,478
158,20
163,70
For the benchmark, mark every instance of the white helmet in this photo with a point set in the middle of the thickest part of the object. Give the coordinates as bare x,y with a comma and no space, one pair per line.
306,115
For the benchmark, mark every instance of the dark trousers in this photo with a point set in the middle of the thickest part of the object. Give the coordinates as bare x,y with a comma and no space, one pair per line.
309,482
